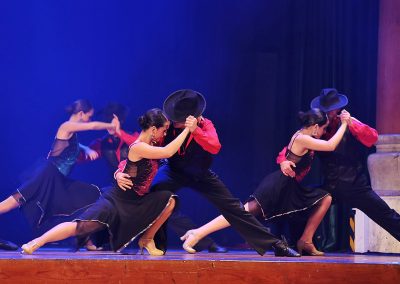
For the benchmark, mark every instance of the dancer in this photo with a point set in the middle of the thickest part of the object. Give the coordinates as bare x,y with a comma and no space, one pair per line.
190,167
280,195
345,171
127,214
114,147
50,192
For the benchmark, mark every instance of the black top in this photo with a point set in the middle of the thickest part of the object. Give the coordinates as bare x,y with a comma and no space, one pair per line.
303,163
191,159
109,145
346,165
141,174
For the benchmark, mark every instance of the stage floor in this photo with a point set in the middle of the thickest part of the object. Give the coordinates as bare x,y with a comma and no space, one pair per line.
63,266
180,255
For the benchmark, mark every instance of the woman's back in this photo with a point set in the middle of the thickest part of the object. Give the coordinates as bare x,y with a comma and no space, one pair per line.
63,154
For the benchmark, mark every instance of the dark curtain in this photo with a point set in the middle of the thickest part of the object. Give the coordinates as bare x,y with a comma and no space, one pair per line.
334,44
295,49
258,63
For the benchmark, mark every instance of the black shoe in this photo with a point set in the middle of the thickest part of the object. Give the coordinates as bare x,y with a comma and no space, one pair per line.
6,245
217,249
282,248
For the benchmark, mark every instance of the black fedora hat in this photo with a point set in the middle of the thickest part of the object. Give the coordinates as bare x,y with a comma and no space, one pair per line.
182,103
329,99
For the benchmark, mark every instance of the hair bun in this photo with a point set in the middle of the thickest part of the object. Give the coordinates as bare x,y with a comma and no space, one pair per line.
311,117
143,122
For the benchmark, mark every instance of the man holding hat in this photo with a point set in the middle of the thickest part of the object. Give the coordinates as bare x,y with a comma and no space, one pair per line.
345,170
190,167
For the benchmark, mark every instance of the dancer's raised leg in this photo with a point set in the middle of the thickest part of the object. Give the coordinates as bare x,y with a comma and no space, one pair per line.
192,237
59,232
8,204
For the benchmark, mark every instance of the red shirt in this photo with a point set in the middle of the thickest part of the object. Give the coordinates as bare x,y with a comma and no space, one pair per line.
206,136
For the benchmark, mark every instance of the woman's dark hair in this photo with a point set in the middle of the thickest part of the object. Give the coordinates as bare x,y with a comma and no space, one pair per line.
79,105
153,117
120,110
313,116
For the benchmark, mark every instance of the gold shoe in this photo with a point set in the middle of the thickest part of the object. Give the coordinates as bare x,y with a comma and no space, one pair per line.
307,248
92,247
150,246
30,247
89,246
191,240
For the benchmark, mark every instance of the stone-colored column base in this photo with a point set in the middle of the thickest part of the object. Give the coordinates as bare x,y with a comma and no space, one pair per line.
370,237
384,169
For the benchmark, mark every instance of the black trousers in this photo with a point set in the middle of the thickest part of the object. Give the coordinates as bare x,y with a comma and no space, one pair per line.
213,189
363,197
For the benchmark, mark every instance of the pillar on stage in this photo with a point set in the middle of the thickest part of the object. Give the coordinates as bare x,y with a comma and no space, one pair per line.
384,165
388,85
384,169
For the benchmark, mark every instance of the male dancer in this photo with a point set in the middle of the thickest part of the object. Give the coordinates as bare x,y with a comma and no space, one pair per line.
114,148
190,167
345,171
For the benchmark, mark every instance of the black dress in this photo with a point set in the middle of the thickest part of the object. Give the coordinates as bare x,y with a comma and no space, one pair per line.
125,214
49,192
280,195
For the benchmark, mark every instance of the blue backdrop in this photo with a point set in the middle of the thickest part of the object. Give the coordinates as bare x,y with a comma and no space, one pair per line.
257,63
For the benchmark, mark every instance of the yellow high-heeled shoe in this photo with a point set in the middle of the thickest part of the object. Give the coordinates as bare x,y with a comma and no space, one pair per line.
30,247
307,248
90,246
191,240
150,246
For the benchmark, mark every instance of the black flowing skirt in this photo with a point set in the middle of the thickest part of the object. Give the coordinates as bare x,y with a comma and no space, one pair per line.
48,193
124,214
280,195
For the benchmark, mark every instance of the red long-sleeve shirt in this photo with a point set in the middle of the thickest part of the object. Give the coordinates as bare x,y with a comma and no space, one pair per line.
206,136
127,138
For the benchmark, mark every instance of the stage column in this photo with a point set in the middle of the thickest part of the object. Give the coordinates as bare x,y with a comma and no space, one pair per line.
388,90
384,165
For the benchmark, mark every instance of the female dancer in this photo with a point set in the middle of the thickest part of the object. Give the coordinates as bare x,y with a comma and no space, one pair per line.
278,194
49,192
125,214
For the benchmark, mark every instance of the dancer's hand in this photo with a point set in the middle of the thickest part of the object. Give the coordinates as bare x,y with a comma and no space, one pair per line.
191,123
345,117
117,126
123,181
286,168
91,154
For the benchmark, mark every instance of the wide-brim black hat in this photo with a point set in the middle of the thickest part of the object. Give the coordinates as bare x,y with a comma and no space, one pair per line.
182,103
329,99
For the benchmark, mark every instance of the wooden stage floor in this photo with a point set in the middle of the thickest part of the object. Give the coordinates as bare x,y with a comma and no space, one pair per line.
64,266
